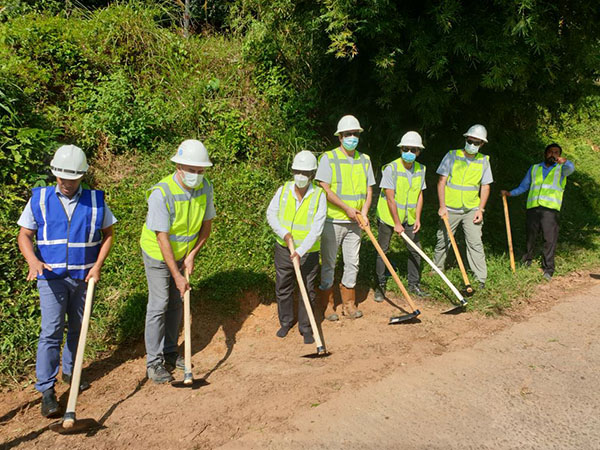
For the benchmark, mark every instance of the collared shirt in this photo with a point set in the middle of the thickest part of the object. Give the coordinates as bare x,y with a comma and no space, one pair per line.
158,217
27,220
325,174
317,226
446,166
567,169
388,180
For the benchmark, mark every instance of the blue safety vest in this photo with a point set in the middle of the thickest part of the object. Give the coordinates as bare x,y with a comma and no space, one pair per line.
69,246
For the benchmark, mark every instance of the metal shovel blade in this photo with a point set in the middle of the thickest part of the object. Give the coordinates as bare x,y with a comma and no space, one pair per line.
456,309
78,426
405,318
195,383
467,291
321,353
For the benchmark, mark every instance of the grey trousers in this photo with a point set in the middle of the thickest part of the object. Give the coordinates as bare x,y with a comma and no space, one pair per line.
164,311
285,280
413,264
348,236
475,252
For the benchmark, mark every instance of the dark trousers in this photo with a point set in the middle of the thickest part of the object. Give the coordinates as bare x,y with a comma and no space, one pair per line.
414,259
285,278
546,220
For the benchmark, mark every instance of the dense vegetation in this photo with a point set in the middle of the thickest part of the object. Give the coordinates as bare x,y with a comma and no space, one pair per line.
257,81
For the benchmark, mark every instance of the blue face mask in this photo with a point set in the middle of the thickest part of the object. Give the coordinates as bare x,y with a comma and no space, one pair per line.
350,142
409,156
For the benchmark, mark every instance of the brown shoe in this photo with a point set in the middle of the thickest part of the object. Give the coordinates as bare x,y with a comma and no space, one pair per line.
348,300
327,302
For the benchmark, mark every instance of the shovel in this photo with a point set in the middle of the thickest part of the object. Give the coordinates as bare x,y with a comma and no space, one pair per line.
69,424
468,289
456,292
415,312
508,234
321,351
188,378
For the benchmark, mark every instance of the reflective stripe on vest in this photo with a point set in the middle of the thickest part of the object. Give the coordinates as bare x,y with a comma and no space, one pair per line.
464,180
70,246
406,193
299,221
547,192
348,181
186,213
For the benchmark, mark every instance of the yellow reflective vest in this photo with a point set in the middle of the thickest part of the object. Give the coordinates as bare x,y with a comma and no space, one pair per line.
186,209
299,221
464,180
348,181
547,192
406,193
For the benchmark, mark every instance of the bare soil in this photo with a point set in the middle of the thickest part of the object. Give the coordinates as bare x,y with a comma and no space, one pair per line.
261,391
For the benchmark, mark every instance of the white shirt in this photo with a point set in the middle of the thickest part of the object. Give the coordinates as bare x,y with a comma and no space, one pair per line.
317,226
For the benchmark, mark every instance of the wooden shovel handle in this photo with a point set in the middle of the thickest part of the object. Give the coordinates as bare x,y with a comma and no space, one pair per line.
187,332
389,266
305,299
456,252
508,234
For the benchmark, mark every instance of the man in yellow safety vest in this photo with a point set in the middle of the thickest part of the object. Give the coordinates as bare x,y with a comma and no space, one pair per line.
399,209
297,214
347,177
463,191
180,213
546,183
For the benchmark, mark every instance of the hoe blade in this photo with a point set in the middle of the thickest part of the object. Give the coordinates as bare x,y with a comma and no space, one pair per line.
456,309
407,318
79,426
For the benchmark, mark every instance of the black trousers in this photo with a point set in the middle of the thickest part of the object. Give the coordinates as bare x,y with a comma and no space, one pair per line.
285,280
546,220
413,264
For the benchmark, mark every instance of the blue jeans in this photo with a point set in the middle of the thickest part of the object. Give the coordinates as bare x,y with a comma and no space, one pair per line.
64,296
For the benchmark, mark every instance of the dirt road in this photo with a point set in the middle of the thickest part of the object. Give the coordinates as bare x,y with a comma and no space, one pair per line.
528,379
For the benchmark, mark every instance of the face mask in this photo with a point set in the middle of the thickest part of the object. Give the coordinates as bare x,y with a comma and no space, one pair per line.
409,156
192,180
350,142
301,180
471,149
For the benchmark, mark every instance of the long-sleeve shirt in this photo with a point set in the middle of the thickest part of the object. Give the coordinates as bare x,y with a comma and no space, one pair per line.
567,169
318,222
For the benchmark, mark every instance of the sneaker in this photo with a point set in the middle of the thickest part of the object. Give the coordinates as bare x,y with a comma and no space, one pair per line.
50,404
547,276
174,361
159,374
282,332
481,285
83,384
416,289
308,338
379,294
527,263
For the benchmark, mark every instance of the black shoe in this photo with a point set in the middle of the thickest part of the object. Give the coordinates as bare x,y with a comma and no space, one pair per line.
527,263
308,338
282,332
379,293
159,374
83,384
481,285
416,289
174,361
49,404
547,276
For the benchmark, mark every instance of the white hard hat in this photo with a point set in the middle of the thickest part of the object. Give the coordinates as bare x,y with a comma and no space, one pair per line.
192,153
477,132
411,139
348,123
304,160
69,162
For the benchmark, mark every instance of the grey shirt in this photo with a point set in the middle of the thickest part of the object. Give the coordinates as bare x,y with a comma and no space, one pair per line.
446,166
158,217
27,220
325,174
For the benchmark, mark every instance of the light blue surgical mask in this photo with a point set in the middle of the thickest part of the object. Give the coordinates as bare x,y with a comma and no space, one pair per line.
471,149
409,157
192,180
350,142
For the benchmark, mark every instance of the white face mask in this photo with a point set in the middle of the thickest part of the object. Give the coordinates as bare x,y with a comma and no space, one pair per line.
192,180
301,180
471,149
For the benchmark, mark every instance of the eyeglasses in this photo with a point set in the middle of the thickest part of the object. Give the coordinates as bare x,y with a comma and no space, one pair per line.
350,133
474,141
410,149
